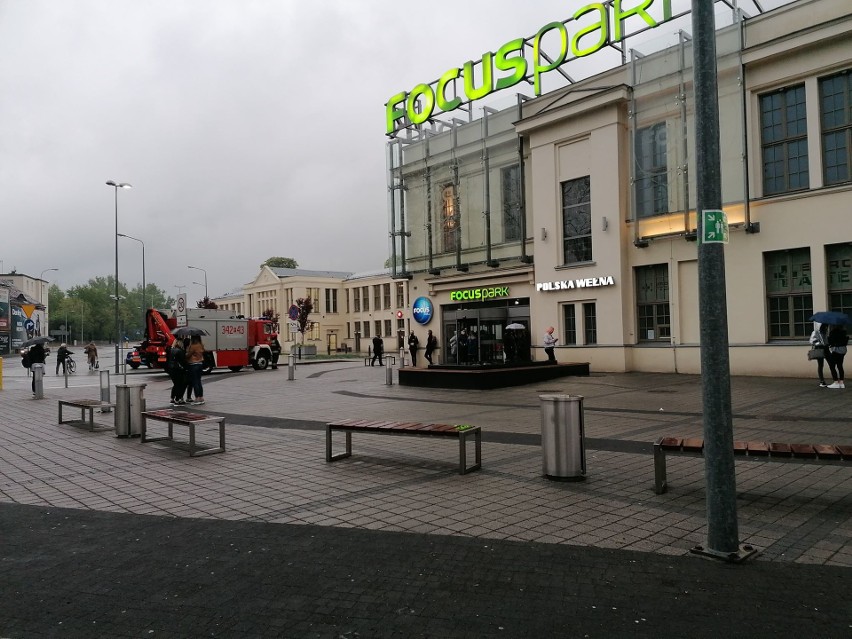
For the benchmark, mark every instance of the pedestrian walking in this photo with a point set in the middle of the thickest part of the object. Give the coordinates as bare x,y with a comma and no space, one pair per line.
195,364
838,339
176,369
549,344
413,343
378,350
819,343
35,355
431,345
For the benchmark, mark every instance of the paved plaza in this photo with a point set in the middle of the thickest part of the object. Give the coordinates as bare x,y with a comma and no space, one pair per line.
109,537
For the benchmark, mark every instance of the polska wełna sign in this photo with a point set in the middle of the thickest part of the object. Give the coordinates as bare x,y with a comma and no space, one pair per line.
591,28
567,285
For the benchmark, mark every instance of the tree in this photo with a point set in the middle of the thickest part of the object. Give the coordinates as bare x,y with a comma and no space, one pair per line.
280,262
271,315
206,302
305,306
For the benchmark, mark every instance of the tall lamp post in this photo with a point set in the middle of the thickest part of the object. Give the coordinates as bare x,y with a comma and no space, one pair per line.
144,305
205,279
41,284
41,297
116,186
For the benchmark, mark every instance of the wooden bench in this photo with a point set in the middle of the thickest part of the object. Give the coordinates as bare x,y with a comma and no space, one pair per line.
835,454
462,433
387,359
184,418
84,405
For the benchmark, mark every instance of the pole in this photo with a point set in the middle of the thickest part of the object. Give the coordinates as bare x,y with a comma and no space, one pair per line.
722,532
117,331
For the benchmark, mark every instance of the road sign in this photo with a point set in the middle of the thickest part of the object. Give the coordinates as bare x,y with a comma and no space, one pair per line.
293,312
29,325
715,227
181,309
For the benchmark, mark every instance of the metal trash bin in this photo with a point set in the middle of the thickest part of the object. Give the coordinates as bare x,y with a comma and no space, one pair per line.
563,445
129,404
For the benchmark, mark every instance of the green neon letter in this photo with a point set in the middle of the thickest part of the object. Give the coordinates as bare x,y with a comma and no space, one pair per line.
620,15
602,25
428,104
487,87
538,68
503,63
392,113
441,90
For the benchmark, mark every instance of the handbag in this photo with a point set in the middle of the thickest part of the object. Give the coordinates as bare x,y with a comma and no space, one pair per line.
816,353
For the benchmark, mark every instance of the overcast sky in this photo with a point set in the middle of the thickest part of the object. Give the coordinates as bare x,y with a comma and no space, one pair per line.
248,128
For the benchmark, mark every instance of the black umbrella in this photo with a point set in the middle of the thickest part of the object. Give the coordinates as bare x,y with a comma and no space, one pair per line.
188,331
37,340
830,317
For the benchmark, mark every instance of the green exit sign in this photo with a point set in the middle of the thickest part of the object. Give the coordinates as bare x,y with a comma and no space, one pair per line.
714,227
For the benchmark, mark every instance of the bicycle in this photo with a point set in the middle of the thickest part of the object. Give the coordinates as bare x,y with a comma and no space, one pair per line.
70,364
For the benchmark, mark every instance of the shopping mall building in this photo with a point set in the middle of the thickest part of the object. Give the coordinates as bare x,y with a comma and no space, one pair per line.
576,207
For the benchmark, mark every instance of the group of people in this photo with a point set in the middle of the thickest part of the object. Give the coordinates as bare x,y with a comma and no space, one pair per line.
830,342
184,363
413,347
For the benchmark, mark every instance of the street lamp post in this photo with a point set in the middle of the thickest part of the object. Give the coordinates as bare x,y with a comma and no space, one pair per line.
144,305
116,186
41,284
205,279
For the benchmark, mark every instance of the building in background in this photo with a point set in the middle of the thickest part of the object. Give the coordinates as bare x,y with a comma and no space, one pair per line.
23,310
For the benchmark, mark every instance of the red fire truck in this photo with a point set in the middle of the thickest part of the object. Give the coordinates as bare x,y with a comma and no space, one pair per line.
232,340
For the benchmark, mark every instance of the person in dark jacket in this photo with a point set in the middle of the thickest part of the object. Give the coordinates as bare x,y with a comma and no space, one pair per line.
838,339
378,351
413,343
176,368
36,356
61,355
275,347
431,345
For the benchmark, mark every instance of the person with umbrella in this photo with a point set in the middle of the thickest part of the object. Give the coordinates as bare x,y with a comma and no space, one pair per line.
195,364
819,342
838,339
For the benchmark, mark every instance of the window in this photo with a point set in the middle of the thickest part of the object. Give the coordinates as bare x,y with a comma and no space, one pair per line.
386,295
652,302
348,330
835,98
788,290
570,321
400,326
314,329
590,322
400,295
366,329
576,221
651,186
331,300
313,293
365,296
510,184
838,258
783,140
377,297
379,328
356,299
357,327
449,219
388,327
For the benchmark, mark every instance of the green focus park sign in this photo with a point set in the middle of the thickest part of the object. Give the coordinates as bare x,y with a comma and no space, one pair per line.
592,27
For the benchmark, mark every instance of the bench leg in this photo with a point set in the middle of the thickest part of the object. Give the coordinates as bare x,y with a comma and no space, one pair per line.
659,470
477,440
191,440
206,451
329,457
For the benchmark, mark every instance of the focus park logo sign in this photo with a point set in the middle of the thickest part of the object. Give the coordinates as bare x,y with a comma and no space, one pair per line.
592,27
422,310
477,294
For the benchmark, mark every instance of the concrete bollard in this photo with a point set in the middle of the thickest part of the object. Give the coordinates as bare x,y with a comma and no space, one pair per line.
104,379
291,367
388,374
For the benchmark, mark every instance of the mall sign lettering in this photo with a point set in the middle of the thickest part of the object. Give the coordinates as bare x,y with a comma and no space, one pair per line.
593,27
477,294
566,285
